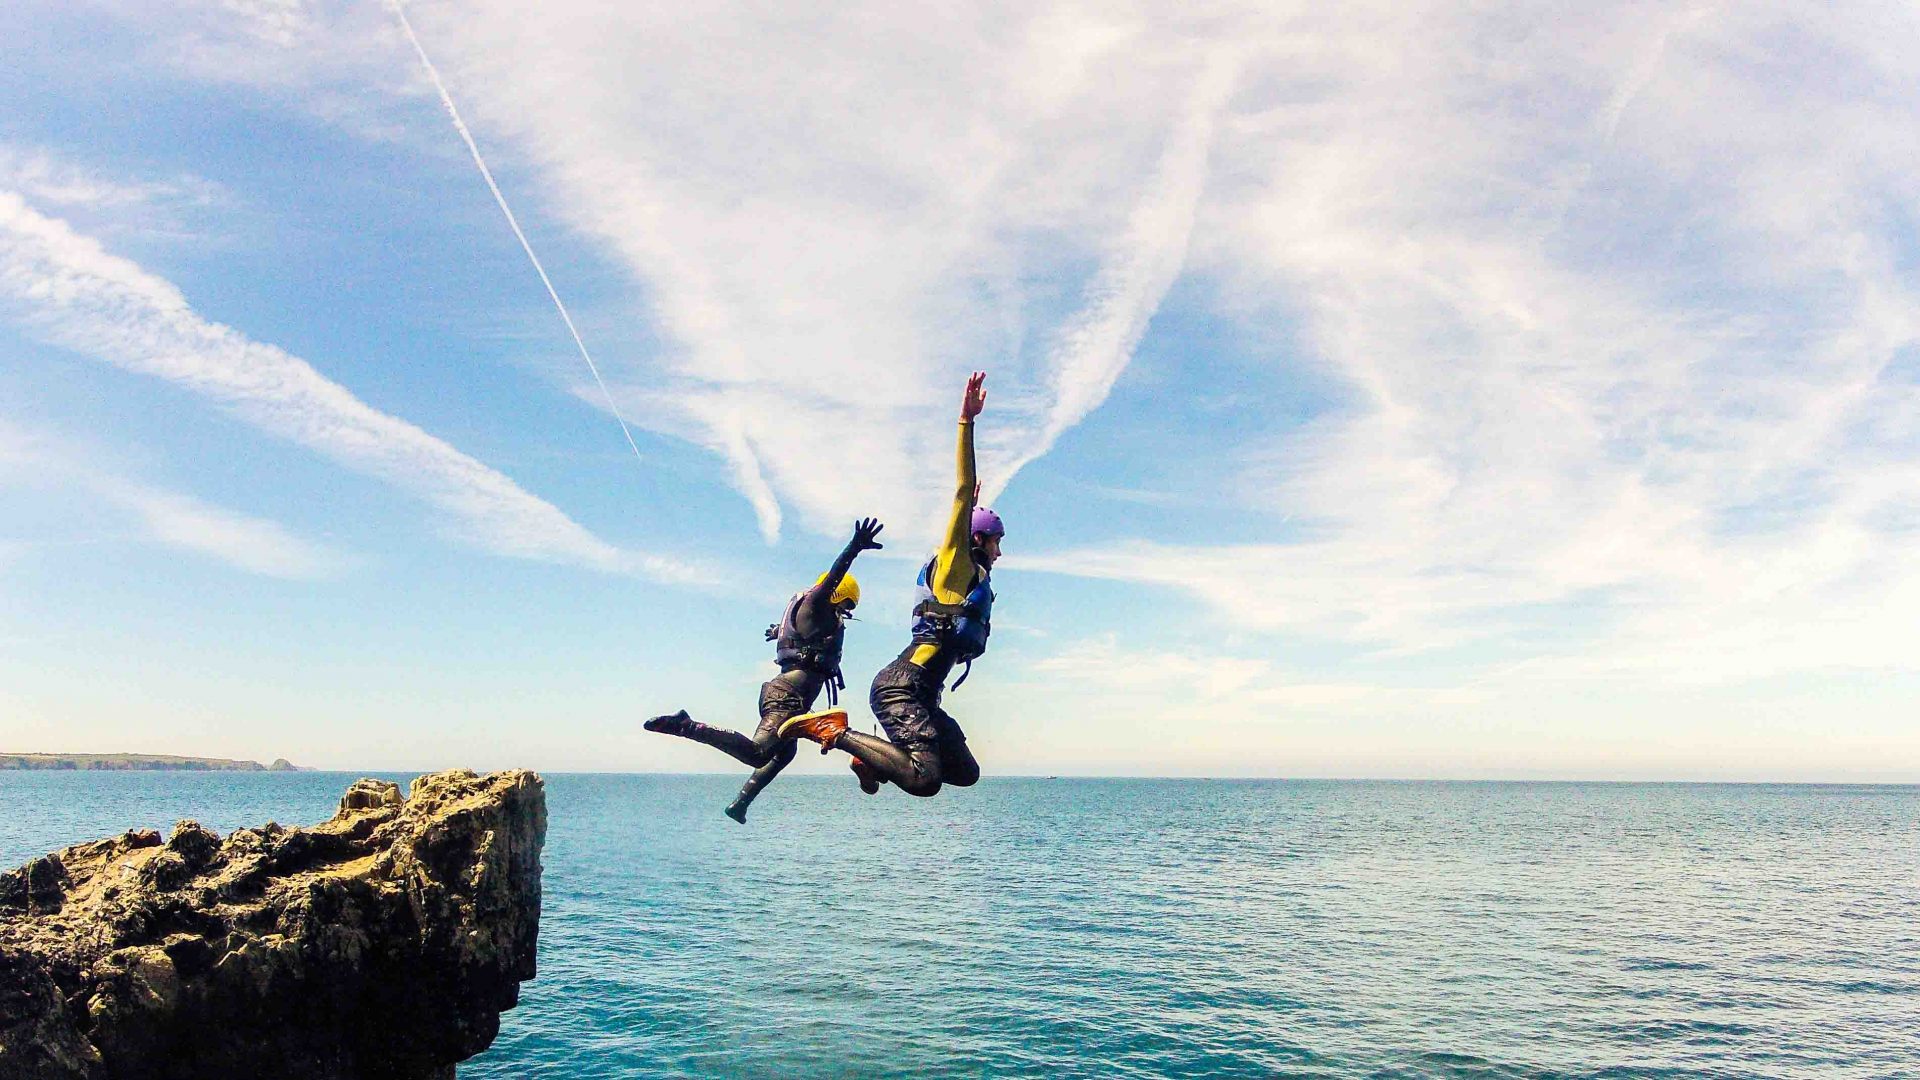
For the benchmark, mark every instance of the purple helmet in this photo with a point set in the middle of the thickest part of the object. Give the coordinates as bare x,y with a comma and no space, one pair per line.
987,523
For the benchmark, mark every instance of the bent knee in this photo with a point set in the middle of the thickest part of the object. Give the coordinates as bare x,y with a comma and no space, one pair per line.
926,778
959,768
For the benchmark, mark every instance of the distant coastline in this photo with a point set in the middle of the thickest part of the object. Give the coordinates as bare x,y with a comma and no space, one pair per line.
139,763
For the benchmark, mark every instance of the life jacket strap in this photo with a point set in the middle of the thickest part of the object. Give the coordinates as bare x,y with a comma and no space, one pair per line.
935,607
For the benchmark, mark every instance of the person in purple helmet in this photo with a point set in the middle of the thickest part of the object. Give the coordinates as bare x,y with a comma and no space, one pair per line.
925,748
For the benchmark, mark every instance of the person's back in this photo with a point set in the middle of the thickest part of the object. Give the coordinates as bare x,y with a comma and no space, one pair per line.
810,636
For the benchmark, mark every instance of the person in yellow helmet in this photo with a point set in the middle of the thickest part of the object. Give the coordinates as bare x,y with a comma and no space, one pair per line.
807,643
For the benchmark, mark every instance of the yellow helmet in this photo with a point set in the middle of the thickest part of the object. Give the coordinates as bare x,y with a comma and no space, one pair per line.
847,592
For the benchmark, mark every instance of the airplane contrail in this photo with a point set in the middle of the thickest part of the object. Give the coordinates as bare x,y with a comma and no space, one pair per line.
1097,343
473,148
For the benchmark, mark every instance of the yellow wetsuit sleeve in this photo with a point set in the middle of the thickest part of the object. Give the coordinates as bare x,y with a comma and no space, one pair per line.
953,565
952,575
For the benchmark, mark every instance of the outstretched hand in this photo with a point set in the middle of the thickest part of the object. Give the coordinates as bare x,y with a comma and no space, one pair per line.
864,532
976,398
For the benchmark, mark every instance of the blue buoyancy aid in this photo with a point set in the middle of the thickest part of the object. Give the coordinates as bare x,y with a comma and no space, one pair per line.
819,653
960,629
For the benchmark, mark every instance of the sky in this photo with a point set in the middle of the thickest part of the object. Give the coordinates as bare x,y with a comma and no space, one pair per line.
1398,389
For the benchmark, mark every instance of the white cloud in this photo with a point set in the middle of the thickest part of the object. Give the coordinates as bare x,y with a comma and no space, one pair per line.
1621,299
1619,294
17,447
279,22
1099,706
50,179
171,518
75,294
1201,679
250,543
1096,345
835,217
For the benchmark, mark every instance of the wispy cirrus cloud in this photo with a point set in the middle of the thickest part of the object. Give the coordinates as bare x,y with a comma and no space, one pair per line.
1620,301
1207,679
1095,345
826,255
171,518
1114,707
243,540
830,253
65,287
1628,322
51,179
251,543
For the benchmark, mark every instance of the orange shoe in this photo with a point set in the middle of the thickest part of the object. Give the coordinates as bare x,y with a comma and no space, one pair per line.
821,727
869,780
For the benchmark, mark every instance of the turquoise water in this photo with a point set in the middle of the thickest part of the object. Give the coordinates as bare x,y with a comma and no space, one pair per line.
1158,928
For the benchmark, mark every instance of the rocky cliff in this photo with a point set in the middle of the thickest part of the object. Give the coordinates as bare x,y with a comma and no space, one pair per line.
382,944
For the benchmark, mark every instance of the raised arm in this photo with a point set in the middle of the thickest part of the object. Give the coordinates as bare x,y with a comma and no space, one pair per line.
818,606
953,564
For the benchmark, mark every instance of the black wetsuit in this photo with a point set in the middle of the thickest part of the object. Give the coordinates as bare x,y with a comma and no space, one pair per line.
809,640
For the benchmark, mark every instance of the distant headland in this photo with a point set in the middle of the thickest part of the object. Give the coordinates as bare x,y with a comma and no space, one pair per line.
140,763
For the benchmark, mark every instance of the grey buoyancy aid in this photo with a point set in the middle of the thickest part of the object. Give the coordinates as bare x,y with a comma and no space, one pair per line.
961,628
819,654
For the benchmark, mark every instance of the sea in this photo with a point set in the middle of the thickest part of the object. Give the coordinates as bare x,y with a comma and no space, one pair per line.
1032,927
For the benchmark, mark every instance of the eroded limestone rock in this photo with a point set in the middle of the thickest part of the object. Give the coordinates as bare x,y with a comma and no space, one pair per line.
382,944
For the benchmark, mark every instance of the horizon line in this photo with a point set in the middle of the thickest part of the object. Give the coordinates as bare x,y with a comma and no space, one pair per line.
1259,778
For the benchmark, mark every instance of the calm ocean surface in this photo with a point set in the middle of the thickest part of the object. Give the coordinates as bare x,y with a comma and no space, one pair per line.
1161,928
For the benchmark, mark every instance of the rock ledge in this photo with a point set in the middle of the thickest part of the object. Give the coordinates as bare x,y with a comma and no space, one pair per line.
382,944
